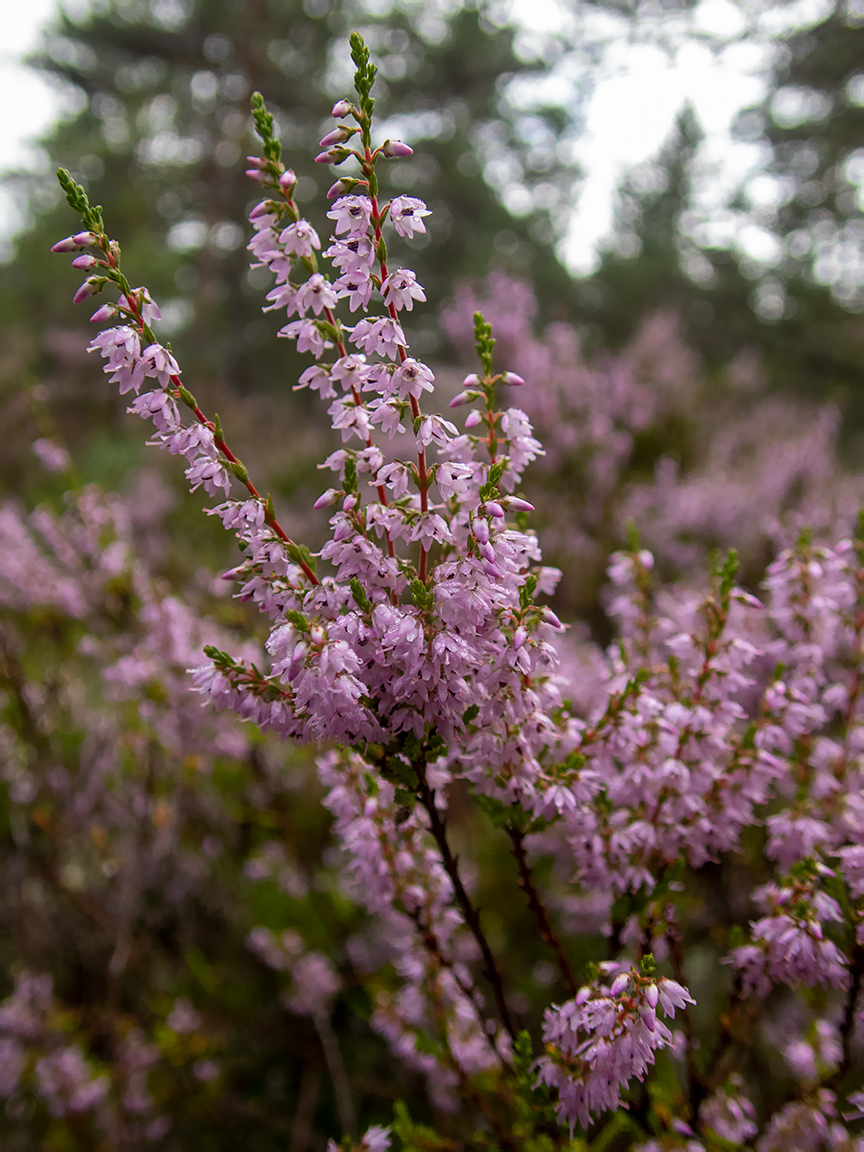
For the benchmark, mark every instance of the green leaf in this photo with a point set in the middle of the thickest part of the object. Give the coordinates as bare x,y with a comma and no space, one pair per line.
526,592
350,482
360,598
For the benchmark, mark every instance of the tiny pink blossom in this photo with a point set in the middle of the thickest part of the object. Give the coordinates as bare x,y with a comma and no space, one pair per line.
401,289
352,215
299,238
406,213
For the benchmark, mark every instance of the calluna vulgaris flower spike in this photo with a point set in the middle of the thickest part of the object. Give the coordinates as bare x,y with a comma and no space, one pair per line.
414,645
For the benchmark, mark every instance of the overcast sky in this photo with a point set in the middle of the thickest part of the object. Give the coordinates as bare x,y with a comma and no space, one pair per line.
630,112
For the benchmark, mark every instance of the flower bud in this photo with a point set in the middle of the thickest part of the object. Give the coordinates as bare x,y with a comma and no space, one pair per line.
331,156
472,380
549,617
519,637
343,184
494,509
85,261
263,208
652,995
67,244
326,499
473,418
349,503
394,149
512,379
257,162
256,174
337,136
317,634
85,239
462,398
516,504
89,288
106,312
342,108
481,530
619,983
287,180
583,995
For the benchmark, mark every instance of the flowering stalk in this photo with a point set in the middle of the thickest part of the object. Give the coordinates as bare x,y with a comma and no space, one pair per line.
134,355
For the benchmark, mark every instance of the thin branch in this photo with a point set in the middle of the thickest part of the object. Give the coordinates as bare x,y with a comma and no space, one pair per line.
694,1080
338,1076
547,932
471,914
470,992
847,1026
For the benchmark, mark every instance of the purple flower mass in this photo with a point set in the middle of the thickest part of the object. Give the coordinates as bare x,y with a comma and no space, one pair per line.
718,735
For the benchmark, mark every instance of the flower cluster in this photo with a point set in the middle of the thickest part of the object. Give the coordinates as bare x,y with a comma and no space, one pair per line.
604,1037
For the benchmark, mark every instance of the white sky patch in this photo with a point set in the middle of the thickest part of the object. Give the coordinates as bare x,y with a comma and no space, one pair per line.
28,104
632,111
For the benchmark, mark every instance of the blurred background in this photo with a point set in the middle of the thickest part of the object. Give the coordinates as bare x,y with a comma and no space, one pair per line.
659,205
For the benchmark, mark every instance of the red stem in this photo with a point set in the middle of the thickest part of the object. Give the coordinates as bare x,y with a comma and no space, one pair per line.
270,519
403,356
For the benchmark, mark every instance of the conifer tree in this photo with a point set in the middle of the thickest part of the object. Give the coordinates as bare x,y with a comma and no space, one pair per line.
800,313
164,126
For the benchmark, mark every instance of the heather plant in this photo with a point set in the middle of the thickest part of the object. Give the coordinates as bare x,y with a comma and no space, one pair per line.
681,811
129,816
699,460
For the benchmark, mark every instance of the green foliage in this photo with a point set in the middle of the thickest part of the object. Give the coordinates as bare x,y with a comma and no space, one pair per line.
484,343
422,596
365,75
417,1137
359,594
77,199
264,126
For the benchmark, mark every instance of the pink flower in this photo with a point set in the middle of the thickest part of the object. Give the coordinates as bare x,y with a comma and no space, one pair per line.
307,334
299,239
354,254
357,286
383,336
317,293
406,213
352,215
401,289
411,378
351,372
